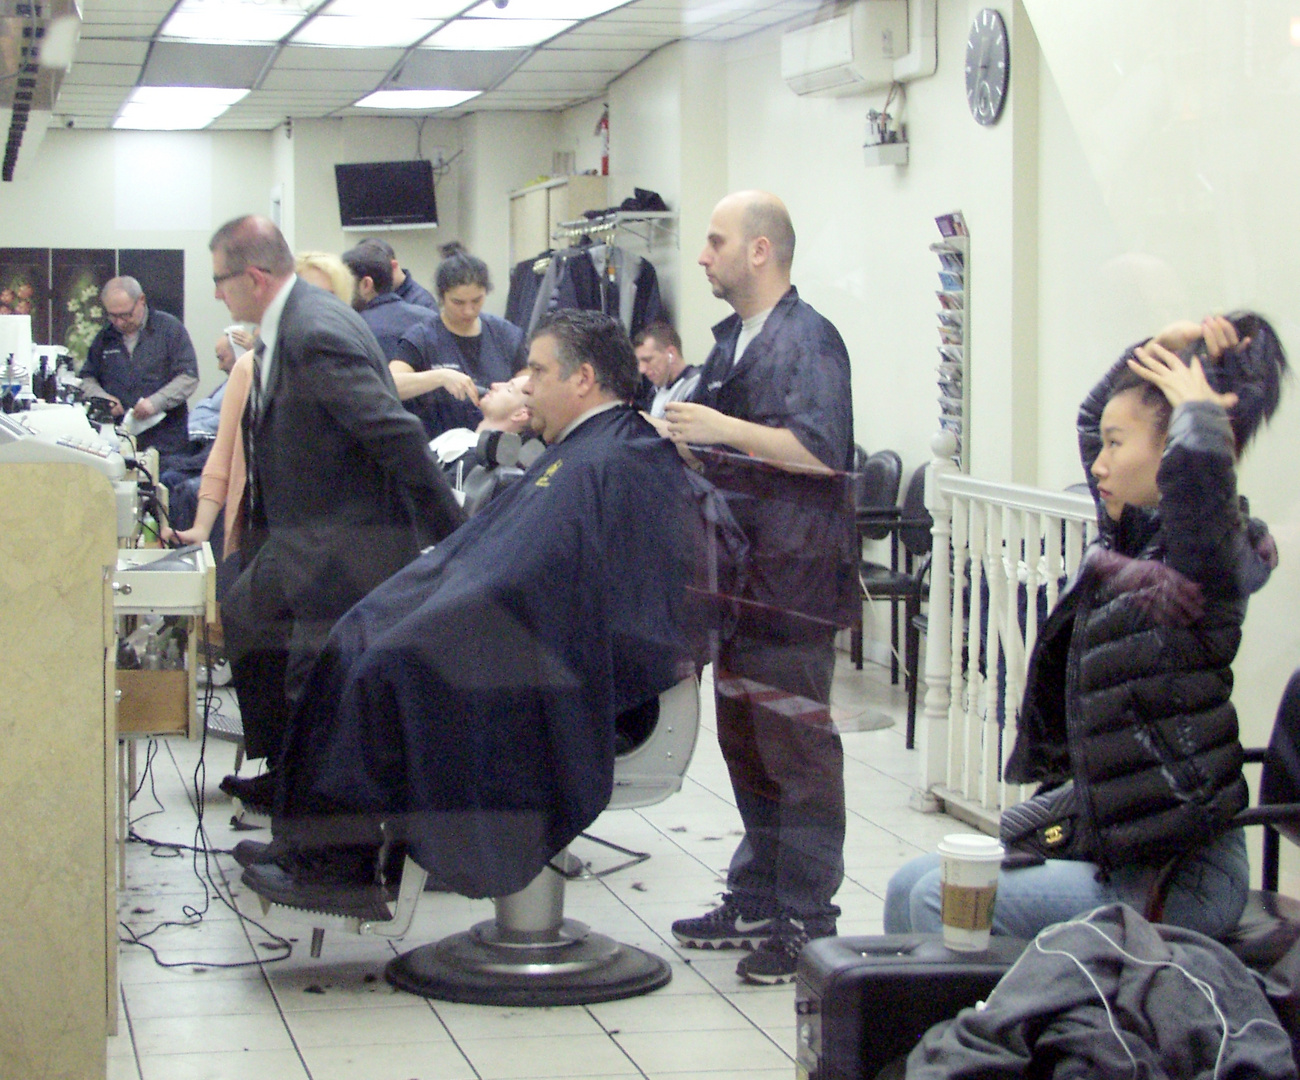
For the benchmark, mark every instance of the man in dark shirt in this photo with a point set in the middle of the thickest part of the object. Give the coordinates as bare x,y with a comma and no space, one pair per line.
776,388
388,316
144,363
406,287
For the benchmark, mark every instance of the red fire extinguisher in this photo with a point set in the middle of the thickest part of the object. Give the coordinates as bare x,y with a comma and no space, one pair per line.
602,129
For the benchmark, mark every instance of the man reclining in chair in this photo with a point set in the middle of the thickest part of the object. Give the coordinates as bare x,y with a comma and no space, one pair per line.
466,708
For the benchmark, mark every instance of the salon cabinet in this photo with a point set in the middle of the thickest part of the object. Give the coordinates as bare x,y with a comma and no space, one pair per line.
58,972
536,210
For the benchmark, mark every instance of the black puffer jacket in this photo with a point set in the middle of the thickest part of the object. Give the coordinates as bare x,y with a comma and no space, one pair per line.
1138,712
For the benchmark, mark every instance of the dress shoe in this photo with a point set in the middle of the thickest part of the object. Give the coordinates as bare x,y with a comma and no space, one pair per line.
256,791
333,880
255,853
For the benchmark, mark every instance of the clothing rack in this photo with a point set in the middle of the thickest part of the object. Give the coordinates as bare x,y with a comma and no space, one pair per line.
647,225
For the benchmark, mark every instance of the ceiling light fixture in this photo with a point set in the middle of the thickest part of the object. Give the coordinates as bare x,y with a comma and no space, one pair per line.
420,100
573,10
363,31
231,22
175,108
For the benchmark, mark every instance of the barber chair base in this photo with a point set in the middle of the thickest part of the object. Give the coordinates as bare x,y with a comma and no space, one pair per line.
479,967
378,920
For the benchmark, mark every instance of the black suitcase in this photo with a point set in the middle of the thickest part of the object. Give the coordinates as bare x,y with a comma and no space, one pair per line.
861,1002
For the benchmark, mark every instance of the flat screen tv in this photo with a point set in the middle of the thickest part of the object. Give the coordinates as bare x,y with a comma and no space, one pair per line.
386,194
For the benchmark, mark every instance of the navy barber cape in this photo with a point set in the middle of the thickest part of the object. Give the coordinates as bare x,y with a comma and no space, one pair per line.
470,699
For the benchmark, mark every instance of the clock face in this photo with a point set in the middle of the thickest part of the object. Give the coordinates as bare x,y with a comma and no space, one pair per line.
988,66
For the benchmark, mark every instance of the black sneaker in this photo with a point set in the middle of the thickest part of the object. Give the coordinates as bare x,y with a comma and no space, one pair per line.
775,960
729,926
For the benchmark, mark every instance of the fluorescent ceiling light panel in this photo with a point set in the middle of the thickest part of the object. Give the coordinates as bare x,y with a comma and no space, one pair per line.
363,31
496,33
400,9
416,99
242,23
544,9
175,108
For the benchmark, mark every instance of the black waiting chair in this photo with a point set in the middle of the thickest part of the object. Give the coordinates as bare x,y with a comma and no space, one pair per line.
876,480
909,531
1267,937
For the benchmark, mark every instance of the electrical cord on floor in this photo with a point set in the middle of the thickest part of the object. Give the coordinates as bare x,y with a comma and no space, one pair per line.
211,886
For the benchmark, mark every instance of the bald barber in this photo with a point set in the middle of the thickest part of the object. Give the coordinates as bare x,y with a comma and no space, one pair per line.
770,422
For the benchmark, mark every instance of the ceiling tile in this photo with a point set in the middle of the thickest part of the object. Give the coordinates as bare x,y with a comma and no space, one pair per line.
110,51
317,81
445,69
609,60
344,81
175,63
311,58
590,36
101,75
537,105
120,28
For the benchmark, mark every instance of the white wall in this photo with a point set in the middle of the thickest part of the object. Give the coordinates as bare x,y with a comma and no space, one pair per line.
319,145
89,189
1168,191
863,256
503,151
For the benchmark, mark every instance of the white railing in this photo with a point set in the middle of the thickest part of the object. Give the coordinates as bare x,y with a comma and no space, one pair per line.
1001,555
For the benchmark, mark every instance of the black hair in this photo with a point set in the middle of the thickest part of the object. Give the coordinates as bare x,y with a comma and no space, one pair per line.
459,267
661,333
381,245
592,337
1254,373
366,260
1148,394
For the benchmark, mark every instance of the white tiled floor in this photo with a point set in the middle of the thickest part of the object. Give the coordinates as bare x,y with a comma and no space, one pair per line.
336,1019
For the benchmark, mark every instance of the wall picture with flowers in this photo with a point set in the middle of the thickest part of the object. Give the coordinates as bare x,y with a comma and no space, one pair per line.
25,287
77,275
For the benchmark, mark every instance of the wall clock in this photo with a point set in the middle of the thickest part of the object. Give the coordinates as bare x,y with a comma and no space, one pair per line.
988,66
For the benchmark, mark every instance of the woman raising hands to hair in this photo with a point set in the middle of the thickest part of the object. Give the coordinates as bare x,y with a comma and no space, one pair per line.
1126,719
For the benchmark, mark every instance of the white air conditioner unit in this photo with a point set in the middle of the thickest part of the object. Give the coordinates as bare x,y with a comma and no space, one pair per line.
850,51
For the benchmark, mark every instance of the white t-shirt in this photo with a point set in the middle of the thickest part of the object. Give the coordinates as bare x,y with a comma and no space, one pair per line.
750,329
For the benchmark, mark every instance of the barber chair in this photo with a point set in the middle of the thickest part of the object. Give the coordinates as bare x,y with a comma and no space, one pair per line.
501,458
530,954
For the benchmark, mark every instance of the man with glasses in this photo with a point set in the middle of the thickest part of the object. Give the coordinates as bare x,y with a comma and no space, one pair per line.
342,489
144,363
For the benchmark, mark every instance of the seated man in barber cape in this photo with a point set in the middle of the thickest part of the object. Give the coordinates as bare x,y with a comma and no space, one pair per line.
467,706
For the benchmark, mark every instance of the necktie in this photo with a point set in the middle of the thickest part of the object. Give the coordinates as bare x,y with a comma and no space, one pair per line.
252,413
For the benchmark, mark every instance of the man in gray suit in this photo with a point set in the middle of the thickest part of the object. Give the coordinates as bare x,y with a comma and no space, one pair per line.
342,489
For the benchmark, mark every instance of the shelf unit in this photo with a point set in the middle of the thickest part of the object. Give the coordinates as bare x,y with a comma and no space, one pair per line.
537,210
953,252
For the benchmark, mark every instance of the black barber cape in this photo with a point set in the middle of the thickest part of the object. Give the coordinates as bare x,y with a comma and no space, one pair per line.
470,699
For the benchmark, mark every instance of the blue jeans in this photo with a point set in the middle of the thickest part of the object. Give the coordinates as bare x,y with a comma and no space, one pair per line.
1207,894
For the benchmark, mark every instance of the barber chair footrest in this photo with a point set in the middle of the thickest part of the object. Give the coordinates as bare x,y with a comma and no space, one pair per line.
479,967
